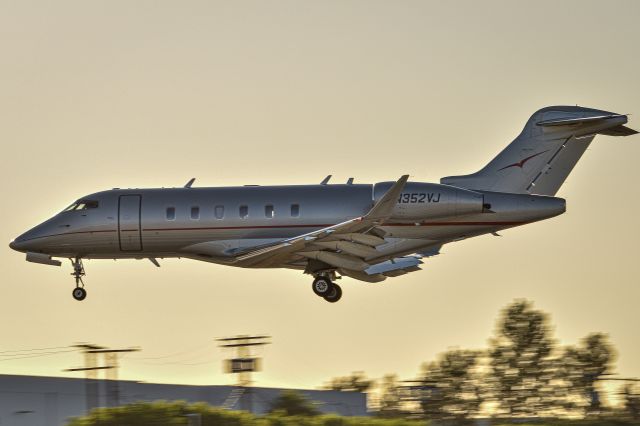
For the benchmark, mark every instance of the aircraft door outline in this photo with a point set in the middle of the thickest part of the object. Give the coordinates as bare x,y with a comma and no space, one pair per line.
129,222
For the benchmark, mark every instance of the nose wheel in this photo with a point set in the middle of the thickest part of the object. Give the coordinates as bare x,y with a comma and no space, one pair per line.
79,293
323,287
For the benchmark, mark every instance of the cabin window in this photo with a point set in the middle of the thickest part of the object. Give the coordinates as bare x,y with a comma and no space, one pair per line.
171,213
268,211
244,212
219,212
295,210
195,212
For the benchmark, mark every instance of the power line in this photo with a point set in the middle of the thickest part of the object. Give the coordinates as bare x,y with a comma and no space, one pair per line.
195,358
32,350
183,362
175,354
36,355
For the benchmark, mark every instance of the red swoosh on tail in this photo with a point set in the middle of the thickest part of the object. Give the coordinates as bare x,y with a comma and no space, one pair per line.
522,162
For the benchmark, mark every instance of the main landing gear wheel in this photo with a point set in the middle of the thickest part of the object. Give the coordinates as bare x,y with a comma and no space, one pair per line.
322,286
334,295
79,293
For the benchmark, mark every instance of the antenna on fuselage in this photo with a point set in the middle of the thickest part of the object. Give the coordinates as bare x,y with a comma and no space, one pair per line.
325,180
188,184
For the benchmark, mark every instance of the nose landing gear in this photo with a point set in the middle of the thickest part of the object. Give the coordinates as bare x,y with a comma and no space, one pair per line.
323,286
79,293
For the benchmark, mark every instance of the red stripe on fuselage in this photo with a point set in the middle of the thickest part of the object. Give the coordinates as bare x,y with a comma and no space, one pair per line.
290,226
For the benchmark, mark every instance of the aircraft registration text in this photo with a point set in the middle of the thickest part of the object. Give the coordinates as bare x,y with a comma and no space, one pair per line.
413,197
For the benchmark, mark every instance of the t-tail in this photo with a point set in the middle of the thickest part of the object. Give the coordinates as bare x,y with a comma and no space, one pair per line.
539,160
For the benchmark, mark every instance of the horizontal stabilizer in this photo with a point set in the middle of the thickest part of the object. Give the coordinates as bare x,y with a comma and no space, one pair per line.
576,121
619,131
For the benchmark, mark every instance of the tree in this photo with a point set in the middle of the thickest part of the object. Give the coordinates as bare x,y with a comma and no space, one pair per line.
584,366
163,413
523,369
291,403
356,382
449,388
390,397
631,402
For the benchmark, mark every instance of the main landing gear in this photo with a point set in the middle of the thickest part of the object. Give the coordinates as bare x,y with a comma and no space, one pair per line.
79,293
323,286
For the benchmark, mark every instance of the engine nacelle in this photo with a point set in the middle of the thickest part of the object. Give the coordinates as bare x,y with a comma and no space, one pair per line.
423,201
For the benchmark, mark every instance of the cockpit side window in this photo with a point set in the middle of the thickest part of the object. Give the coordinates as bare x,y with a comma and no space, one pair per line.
82,205
71,207
90,204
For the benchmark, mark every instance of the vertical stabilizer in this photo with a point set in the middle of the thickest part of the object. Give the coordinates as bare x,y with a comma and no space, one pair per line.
539,160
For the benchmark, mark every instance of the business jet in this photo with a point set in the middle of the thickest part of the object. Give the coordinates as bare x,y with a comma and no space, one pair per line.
329,231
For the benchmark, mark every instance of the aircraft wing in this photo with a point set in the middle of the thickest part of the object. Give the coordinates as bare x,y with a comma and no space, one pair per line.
345,245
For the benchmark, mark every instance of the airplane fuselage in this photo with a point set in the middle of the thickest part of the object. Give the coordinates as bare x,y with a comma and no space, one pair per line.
212,224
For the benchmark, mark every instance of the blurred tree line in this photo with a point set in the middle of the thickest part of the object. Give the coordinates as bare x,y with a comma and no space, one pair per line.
523,374
290,409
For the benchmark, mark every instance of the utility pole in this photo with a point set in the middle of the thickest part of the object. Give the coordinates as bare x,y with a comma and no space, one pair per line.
111,362
91,374
91,367
243,364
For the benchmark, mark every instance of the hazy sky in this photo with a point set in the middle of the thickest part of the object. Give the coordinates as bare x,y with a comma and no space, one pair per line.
95,95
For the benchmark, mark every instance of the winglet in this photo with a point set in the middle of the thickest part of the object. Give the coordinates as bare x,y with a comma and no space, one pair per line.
384,206
188,184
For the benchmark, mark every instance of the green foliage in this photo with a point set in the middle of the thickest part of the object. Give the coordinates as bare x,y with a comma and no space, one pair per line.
162,413
631,403
356,382
291,403
584,366
450,386
277,420
390,397
522,365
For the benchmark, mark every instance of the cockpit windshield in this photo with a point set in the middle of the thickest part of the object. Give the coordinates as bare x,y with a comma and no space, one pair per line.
82,205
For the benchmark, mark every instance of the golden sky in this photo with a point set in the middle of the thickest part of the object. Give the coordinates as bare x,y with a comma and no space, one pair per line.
95,95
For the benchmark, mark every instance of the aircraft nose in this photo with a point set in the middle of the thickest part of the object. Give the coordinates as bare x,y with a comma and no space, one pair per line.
18,244
29,241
